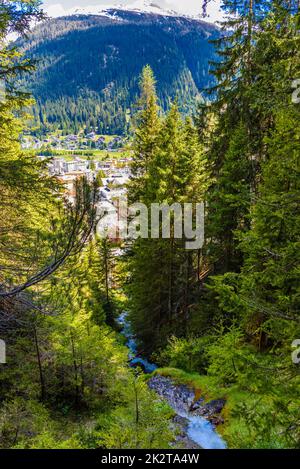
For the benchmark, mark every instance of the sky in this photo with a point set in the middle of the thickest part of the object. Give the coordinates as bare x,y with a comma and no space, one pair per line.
56,8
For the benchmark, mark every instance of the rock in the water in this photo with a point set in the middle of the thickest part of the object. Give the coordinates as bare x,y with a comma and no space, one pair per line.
183,422
197,405
179,397
210,409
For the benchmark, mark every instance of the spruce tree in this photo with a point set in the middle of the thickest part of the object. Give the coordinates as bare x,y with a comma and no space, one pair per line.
146,134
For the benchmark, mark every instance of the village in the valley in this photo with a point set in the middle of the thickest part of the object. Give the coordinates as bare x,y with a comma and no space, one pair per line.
103,157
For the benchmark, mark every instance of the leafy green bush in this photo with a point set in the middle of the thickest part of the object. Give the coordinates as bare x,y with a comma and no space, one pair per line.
188,354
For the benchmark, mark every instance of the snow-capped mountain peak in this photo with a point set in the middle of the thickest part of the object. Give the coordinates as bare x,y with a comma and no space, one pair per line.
138,6
147,6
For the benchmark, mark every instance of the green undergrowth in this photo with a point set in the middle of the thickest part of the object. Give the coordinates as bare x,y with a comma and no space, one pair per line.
236,432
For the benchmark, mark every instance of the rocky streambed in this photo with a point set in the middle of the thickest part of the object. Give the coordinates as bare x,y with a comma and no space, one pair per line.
195,418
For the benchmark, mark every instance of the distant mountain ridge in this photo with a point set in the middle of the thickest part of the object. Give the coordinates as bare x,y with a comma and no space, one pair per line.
89,66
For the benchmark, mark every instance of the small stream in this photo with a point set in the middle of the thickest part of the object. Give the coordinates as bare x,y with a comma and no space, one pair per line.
198,429
134,358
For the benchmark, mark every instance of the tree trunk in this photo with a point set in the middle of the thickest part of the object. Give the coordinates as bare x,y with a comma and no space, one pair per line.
75,369
42,381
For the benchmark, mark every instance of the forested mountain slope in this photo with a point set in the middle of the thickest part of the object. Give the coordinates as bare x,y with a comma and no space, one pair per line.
88,66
